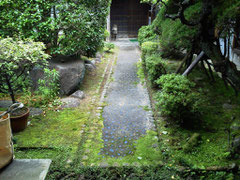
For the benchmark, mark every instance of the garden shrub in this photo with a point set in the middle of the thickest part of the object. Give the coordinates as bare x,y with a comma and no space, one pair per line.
49,86
175,37
146,33
149,48
67,27
108,46
17,59
155,67
176,98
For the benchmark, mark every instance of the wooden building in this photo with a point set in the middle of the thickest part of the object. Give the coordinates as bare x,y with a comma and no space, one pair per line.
129,16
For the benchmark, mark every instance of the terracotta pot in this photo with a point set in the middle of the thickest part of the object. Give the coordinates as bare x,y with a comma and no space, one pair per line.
19,123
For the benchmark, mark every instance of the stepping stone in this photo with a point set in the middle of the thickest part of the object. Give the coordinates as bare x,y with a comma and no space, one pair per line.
26,169
104,164
78,94
70,102
5,103
35,111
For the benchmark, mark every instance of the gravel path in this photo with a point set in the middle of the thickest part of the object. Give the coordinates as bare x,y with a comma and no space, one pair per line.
125,119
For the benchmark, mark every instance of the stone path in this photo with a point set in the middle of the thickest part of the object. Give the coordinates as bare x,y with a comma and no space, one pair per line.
125,119
26,169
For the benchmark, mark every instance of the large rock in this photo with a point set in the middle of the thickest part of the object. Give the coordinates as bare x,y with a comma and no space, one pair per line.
71,73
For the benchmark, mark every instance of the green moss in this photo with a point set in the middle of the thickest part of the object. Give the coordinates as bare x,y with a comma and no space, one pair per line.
146,152
55,129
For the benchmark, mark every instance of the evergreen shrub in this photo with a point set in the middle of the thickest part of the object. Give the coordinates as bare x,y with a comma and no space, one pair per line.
155,67
149,48
177,99
67,27
146,33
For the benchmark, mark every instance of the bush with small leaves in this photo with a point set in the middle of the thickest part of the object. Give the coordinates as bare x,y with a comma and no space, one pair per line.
17,59
67,27
49,86
146,33
108,46
149,48
176,98
155,67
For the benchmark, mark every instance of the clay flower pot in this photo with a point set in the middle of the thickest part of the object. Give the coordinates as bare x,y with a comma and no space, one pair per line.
19,122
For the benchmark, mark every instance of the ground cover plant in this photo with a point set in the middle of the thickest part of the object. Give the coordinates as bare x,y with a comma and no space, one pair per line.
64,133
202,143
205,142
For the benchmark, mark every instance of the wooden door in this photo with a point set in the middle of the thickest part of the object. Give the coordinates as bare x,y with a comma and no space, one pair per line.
129,16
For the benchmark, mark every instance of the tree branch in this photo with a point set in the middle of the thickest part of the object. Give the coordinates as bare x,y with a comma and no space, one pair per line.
180,15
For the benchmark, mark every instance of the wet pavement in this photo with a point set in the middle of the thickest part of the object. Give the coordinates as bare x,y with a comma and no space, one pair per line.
126,117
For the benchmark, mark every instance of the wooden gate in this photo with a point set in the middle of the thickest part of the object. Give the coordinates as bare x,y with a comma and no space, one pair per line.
129,16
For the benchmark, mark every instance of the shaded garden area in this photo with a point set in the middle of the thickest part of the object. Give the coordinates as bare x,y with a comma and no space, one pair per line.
56,60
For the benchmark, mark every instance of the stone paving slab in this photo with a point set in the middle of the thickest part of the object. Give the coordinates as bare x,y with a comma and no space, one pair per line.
125,119
26,169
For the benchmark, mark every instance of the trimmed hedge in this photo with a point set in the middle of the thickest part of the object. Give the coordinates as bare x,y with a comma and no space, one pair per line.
155,67
146,33
177,98
149,48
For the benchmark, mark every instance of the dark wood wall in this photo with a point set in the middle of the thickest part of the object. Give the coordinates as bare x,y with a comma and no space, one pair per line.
129,16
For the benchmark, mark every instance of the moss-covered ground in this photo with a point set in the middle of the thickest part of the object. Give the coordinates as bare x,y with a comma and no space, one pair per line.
72,138
213,148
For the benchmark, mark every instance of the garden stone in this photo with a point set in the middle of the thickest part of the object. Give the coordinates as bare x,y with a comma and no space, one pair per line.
5,103
35,111
71,74
93,62
85,158
98,60
236,143
78,94
98,55
227,106
90,67
26,169
103,164
235,126
36,74
70,102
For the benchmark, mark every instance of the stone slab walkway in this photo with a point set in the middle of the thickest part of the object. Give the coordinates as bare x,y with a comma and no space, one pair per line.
26,169
125,119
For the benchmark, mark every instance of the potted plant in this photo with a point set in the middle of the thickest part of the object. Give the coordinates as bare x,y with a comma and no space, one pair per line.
17,59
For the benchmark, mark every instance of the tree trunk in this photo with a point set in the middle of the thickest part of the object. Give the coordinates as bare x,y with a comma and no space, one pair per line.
207,42
221,64
10,89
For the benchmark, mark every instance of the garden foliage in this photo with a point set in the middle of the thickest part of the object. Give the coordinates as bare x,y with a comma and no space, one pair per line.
155,67
49,85
67,27
108,46
149,48
17,59
146,33
177,98
174,37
